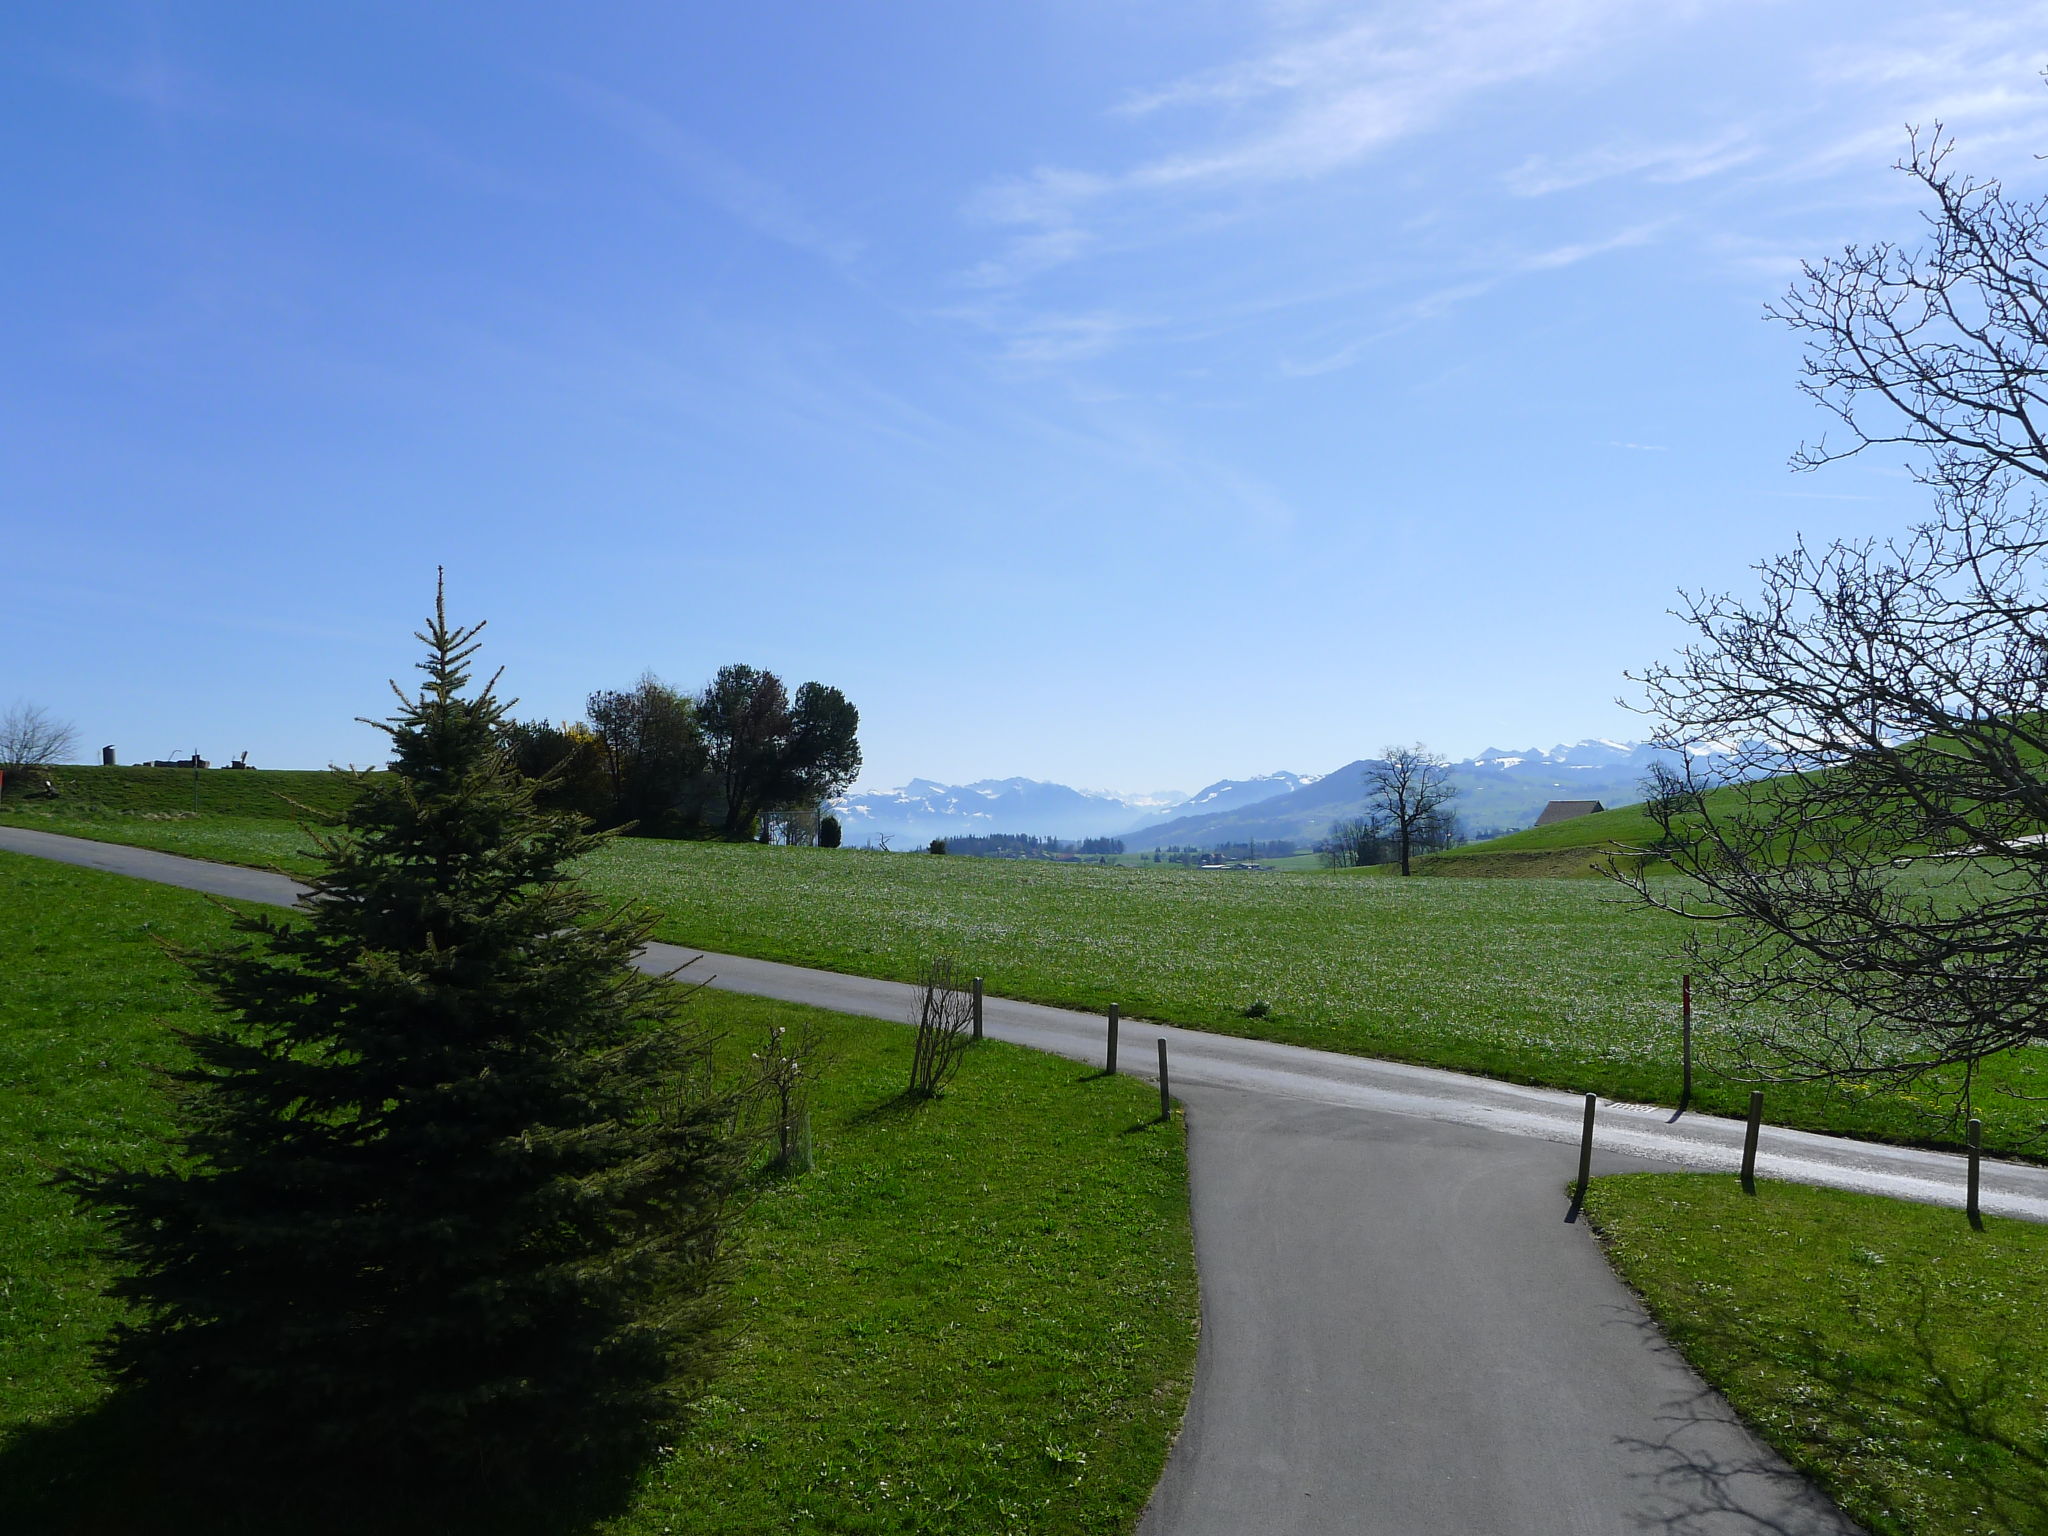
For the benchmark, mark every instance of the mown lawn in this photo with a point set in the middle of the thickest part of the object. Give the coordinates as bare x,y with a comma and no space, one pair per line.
978,1315
1560,982
1887,1350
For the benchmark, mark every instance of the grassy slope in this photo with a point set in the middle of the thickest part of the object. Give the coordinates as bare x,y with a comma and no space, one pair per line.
1565,983
979,1316
1577,847
1887,1350
258,792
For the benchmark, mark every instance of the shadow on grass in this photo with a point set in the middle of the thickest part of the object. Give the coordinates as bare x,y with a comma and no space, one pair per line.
1909,1398
897,1108
111,1471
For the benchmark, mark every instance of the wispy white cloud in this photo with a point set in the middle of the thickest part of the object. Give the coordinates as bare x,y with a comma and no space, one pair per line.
1068,338
1584,250
1973,70
710,174
1442,300
1688,161
1301,111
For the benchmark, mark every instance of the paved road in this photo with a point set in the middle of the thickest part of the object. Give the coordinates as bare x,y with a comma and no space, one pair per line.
1401,1334
1401,1337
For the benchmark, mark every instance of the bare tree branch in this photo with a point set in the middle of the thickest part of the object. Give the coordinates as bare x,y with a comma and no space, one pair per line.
1409,786
31,738
1869,853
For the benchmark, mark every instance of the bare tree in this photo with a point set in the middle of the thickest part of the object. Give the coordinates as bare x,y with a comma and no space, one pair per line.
1408,786
784,1072
1869,854
943,1018
31,738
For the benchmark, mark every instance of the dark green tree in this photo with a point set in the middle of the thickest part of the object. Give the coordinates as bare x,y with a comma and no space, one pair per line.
768,752
824,746
447,1209
829,832
567,763
652,751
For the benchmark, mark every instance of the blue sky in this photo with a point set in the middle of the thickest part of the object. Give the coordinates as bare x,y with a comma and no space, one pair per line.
1125,393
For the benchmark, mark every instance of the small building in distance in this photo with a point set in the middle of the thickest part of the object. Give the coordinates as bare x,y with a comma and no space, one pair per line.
1567,810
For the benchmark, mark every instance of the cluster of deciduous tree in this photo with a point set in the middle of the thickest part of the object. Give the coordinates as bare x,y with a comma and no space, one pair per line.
1021,845
1375,839
1005,845
739,756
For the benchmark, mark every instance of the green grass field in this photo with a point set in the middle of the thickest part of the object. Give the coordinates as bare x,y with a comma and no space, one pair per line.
1886,1349
1561,982
257,792
979,1315
1578,848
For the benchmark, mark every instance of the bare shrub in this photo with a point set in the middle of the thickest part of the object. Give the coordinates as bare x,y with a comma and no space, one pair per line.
783,1074
944,1017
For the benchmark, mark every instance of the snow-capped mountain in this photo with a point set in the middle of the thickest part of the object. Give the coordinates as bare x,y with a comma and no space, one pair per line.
1234,794
1498,789
922,810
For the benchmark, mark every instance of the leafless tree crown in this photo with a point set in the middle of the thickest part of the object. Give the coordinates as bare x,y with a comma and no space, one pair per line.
31,738
1408,786
1939,347
1867,851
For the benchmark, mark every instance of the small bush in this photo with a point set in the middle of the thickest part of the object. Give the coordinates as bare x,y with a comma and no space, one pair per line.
829,833
943,1017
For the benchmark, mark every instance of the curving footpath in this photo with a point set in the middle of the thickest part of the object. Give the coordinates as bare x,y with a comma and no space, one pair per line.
1402,1334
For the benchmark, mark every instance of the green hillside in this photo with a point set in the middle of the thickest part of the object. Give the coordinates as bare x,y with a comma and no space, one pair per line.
1576,847
257,792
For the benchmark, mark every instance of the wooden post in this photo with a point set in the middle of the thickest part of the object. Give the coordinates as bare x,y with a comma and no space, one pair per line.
1756,1119
1165,1095
977,1007
1110,1068
1685,1028
1586,1151
1976,1155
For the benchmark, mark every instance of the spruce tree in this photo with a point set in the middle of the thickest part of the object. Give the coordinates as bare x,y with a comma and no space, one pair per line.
448,1207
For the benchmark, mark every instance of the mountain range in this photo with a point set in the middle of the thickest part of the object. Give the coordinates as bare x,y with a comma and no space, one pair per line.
1497,791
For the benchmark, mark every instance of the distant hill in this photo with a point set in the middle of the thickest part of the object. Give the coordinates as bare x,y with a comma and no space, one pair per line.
922,809
1497,790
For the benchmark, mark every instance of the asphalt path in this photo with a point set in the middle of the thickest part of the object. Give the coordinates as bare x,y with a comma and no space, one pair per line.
1402,1333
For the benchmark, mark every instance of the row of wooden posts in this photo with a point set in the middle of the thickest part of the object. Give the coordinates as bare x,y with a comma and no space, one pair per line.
1109,1062
1974,1132
1751,1132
